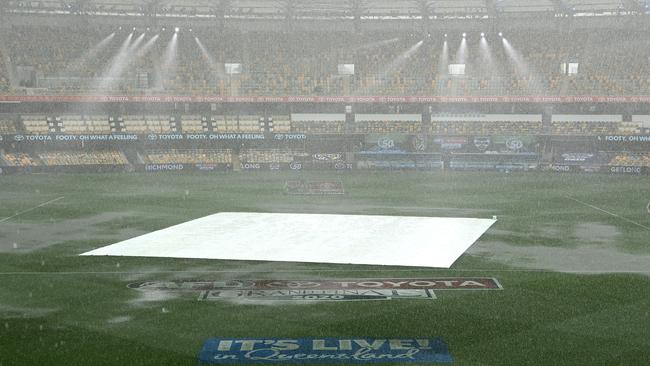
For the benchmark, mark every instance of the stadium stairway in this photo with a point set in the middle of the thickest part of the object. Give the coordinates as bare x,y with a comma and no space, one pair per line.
133,156
236,164
20,126
564,87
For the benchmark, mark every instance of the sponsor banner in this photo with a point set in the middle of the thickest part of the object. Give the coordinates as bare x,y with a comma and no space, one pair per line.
496,143
210,167
320,99
391,164
333,161
199,167
627,139
317,294
163,167
301,187
563,168
209,136
60,137
342,165
387,142
589,168
165,137
570,158
225,351
482,143
247,166
94,168
328,157
206,167
252,166
514,143
633,170
437,283
453,143
509,167
289,136
419,142
611,169
405,163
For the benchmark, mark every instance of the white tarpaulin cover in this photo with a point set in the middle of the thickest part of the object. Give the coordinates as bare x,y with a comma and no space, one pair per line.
355,239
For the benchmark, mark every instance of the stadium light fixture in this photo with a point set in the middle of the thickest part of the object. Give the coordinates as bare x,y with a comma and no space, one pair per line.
461,53
116,65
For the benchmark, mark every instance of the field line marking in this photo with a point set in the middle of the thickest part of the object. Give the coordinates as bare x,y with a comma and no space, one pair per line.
609,213
32,209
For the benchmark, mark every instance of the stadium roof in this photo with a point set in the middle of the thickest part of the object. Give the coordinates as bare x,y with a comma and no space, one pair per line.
359,9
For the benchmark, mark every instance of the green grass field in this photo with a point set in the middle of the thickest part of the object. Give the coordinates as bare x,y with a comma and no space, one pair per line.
576,278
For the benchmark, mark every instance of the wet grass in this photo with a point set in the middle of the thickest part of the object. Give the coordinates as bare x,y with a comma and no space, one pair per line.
56,307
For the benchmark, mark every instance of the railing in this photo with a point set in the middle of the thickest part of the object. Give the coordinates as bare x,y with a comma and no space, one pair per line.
244,85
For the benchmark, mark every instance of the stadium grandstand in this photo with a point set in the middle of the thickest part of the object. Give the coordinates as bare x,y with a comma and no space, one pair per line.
169,166
274,80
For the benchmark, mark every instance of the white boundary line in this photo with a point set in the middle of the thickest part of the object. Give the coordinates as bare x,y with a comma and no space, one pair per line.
31,209
609,213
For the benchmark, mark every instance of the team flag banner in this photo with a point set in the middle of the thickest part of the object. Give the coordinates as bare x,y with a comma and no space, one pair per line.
226,351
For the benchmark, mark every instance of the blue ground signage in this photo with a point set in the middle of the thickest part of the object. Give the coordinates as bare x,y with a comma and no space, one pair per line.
226,351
